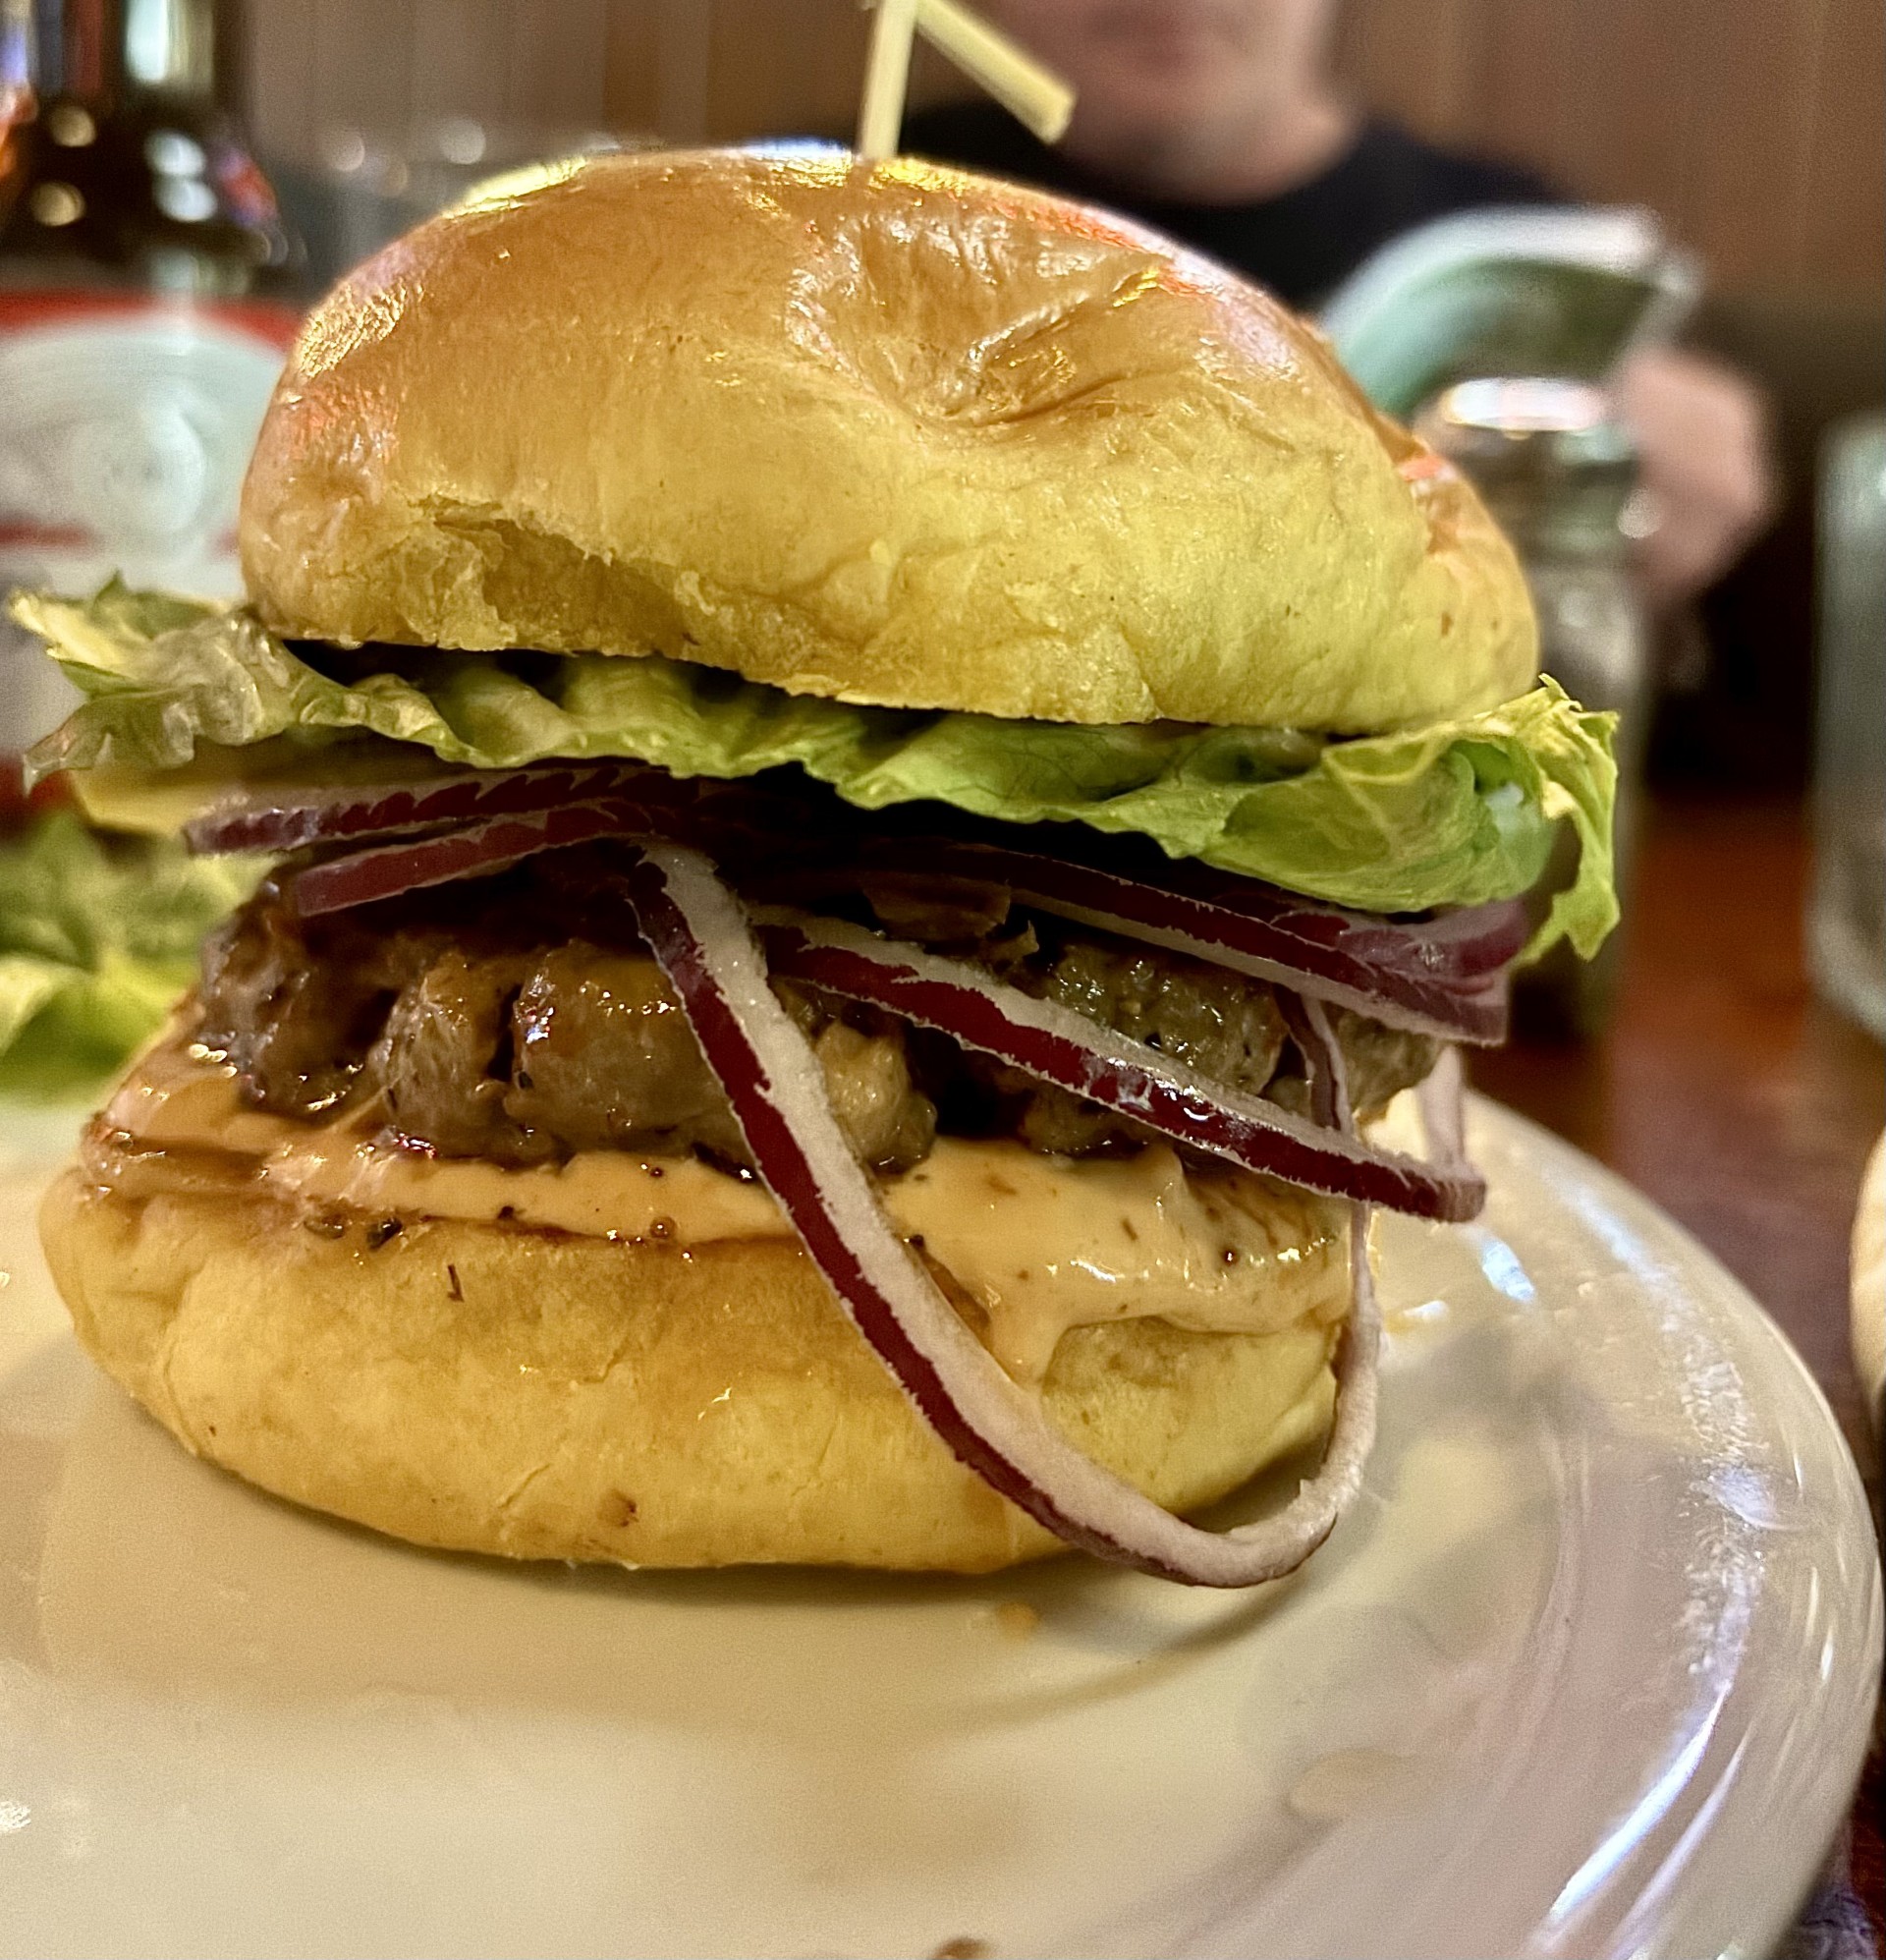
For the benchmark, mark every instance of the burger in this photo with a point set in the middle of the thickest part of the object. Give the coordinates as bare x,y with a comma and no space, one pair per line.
872,775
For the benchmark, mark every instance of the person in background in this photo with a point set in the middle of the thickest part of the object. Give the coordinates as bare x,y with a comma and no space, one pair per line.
1219,122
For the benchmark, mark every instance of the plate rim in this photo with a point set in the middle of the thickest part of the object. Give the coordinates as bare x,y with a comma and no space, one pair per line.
1811,1848
1800,1855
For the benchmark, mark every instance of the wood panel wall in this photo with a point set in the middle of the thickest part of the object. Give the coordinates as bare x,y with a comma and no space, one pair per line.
1757,127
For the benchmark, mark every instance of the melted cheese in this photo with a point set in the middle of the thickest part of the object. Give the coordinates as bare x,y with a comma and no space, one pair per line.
1037,1244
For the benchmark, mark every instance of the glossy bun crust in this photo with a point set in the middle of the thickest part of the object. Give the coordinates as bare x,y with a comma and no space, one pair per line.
546,1396
891,433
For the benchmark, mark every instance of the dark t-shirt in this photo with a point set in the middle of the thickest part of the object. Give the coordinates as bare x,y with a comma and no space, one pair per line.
1300,243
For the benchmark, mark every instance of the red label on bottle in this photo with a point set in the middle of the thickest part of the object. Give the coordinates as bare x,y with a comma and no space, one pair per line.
126,424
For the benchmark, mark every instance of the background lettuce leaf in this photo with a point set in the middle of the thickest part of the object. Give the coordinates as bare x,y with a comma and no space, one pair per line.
98,938
1453,813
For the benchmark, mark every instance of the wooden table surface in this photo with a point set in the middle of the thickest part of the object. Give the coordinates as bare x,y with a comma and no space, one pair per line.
1734,1098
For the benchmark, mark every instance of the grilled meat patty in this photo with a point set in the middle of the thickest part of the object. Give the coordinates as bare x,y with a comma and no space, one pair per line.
518,1019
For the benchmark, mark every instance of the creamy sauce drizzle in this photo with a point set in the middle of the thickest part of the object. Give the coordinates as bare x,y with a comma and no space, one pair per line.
1038,1243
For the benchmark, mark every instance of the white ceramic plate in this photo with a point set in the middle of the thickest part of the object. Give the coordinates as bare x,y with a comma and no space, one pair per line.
1587,1672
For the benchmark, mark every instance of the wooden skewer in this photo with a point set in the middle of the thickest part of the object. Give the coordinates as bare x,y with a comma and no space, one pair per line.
881,116
1034,94
1031,93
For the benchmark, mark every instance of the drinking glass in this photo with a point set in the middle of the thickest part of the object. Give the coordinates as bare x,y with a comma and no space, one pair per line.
1846,910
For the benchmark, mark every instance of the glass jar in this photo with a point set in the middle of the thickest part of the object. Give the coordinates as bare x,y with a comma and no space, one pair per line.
1559,473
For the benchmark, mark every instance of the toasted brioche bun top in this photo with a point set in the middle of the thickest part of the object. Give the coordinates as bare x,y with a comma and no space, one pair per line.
889,433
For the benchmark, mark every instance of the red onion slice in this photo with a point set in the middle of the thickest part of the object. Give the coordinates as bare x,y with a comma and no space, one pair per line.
1056,1044
703,943
469,851
1404,976
1189,906
1442,1097
1454,948
1216,909
281,818
1326,1072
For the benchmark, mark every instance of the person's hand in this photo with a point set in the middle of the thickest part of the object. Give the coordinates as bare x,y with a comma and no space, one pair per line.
1701,431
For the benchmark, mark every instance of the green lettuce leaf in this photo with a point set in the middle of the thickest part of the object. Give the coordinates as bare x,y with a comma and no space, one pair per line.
98,938
1454,813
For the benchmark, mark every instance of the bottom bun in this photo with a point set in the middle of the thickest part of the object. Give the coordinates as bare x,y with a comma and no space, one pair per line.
543,1395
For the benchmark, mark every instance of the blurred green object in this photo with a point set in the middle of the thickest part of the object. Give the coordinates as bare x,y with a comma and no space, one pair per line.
1561,293
98,936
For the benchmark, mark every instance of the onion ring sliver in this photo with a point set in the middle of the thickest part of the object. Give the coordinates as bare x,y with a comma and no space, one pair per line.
704,945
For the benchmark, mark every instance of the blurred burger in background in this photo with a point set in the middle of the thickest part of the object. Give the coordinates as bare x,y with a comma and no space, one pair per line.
874,773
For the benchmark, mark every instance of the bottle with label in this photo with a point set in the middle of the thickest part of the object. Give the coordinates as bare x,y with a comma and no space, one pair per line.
147,302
